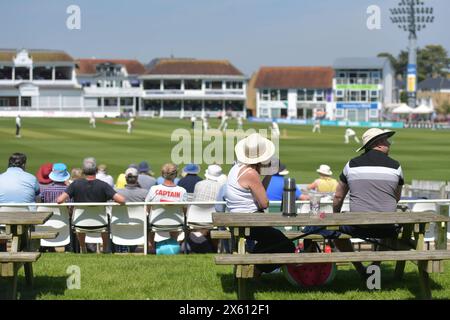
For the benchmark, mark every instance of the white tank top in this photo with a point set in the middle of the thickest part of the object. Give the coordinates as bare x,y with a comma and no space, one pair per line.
238,199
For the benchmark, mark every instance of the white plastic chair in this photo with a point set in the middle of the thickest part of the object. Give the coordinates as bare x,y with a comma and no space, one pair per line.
421,207
86,218
90,217
129,226
165,218
58,222
200,215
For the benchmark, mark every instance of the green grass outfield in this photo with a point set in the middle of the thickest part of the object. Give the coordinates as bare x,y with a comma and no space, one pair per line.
424,154
196,277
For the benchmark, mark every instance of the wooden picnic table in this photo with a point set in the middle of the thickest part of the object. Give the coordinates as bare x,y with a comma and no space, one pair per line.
414,225
18,227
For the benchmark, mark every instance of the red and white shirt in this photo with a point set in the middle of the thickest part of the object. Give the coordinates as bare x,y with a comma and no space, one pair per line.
163,193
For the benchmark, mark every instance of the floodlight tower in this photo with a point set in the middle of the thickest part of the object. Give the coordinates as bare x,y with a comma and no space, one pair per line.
412,16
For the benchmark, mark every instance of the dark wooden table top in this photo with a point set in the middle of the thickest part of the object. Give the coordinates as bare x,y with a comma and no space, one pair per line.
330,219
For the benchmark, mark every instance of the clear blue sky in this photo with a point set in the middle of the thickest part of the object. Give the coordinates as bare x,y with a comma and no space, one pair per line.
250,33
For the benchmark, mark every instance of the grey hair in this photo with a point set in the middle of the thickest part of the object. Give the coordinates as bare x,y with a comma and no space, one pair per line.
89,166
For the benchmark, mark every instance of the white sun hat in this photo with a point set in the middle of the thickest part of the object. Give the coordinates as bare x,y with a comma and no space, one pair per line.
373,134
254,149
213,172
325,170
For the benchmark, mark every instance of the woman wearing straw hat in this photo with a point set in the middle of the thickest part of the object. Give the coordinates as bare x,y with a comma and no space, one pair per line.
245,193
325,183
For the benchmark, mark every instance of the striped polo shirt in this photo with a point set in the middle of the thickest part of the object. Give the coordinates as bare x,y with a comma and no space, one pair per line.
372,179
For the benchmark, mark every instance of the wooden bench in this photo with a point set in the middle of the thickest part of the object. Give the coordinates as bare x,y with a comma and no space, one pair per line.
11,262
427,262
413,226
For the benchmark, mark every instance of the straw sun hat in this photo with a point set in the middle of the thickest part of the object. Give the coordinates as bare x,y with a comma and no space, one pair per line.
254,149
374,134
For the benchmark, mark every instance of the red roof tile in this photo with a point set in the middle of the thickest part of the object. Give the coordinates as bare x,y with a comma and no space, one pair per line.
87,66
294,77
194,67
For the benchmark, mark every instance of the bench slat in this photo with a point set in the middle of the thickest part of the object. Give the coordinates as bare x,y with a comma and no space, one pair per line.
336,219
4,236
6,257
287,258
44,235
290,234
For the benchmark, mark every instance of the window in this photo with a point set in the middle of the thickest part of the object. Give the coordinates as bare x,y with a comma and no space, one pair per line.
172,105
264,95
375,74
152,105
301,95
273,95
63,73
5,73
234,85
283,95
85,84
234,105
213,85
342,75
354,95
9,101
192,105
22,73
373,96
110,102
126,101
99,84
99,102
42,73
320,95
310,95
192,84
172,84
213,105
152,85
364,95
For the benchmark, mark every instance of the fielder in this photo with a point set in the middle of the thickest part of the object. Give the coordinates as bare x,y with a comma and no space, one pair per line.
350,133
18,126
224,124
316,126
239,122
130,125
92,121
275,129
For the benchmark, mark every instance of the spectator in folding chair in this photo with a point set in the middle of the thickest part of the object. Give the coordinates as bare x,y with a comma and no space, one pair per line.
42,175
190,179
17,185
145,179
59,177
102,174
207,191
132,193
168,191
90,189
245,193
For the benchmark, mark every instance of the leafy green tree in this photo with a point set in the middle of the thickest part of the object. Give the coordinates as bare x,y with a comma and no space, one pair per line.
432,61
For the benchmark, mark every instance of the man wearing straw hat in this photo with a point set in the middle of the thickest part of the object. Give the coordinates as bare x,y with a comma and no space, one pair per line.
374,181
245,193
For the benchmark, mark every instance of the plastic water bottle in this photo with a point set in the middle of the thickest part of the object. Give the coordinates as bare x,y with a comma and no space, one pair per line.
288,202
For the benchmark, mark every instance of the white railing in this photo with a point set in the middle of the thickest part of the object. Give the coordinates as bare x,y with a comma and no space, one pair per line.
90,204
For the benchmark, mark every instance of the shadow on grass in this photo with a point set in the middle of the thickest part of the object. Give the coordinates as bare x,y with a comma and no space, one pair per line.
345,281
42,285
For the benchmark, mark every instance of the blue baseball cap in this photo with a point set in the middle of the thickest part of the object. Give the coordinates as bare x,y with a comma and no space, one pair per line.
59,173
144,167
